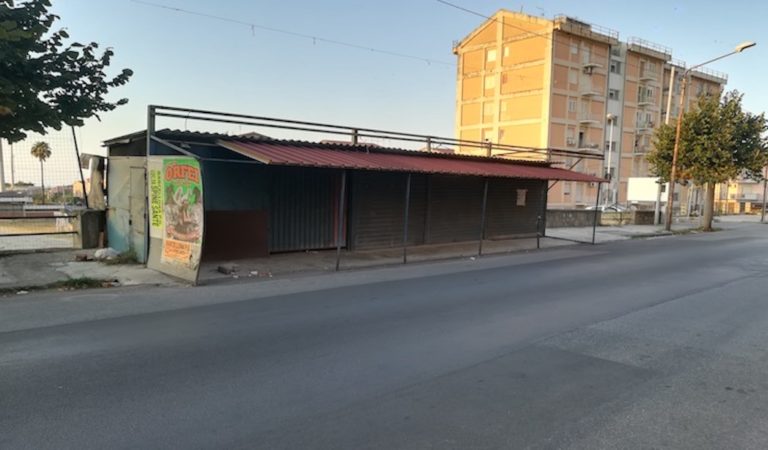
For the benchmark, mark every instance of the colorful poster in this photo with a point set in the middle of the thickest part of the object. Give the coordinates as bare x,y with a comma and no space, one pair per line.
182,218
155,175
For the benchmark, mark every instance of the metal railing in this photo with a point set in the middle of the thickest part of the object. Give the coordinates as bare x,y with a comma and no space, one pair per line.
649,45
711,72
355,134
585,27
37,230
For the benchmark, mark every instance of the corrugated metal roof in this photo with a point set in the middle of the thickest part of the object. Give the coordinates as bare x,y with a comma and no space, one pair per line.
368,158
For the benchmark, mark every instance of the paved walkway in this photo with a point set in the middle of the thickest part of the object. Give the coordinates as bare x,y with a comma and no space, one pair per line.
45,268
39,269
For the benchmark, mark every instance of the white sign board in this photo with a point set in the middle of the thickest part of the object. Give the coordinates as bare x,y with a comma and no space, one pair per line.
644,189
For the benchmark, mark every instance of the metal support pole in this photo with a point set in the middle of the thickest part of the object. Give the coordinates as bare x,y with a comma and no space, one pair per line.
544,208
657,208
538,232
482,218
594,218
80,167
765,191
609,171
2,168
406,217
355,136
673,170
13,171
429,144
342,197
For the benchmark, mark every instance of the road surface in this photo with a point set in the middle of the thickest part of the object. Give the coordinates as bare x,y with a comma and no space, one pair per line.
659,343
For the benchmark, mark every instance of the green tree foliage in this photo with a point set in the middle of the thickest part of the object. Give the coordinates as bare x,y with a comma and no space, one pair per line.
718,142
44,81
41,151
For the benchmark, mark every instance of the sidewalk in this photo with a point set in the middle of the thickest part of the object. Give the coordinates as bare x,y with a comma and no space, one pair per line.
325,260
42,269
21,271
605,234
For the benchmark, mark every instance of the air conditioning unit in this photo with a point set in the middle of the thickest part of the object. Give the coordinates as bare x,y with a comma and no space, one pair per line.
588,70
593,146
570,142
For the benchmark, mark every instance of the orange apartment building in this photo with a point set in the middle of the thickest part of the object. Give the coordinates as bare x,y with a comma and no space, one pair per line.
571,89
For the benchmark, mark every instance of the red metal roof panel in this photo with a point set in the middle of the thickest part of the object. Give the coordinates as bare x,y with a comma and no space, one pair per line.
350,157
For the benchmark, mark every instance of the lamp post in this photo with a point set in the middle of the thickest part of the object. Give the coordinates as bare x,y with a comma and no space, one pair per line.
673,171
608,173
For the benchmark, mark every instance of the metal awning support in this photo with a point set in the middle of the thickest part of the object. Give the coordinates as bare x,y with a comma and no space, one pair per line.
594,218
342,197
482,218
405,218
541,220
570,168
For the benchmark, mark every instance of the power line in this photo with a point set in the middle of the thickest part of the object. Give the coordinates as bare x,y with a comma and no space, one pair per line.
315,39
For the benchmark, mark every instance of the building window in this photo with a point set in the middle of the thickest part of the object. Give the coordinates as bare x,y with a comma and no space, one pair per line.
613,94
573,76
616,51
574,48
572,105
490,55
490,82
610,145
487,112
615,66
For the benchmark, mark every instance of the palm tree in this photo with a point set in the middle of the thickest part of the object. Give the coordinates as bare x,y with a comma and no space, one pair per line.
42,151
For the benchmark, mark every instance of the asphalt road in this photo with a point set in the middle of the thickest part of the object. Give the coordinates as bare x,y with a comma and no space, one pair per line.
658,343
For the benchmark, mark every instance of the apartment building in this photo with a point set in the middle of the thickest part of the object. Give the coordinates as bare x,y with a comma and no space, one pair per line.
572,88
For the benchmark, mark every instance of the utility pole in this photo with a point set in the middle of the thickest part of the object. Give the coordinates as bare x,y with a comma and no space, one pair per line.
765,191
2,168
657,207
608,173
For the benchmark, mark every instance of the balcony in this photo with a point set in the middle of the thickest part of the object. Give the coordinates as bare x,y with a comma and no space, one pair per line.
588,90
648,75
589,119
588,146
645,127
641,150
645,101
590,63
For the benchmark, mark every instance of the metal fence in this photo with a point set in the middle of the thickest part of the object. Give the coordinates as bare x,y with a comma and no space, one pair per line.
40,196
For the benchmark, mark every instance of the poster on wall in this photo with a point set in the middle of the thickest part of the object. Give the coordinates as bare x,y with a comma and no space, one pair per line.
175,215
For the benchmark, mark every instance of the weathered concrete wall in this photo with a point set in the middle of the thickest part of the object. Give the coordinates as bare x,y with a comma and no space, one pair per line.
561,218
614,218
642,217
89,225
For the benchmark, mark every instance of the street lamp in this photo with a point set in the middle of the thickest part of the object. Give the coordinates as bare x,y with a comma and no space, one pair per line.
673,171
608,174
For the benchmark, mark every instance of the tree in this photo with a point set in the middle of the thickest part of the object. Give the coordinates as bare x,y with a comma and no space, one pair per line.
41,151
719,141
45,83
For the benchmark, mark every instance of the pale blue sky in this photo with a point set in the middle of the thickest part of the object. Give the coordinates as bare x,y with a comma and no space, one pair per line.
184,60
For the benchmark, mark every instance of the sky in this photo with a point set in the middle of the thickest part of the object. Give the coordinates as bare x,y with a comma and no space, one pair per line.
199,62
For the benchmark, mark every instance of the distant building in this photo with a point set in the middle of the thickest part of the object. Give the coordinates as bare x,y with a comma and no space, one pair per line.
553,84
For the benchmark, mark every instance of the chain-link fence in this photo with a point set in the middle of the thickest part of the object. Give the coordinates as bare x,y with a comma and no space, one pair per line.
42,191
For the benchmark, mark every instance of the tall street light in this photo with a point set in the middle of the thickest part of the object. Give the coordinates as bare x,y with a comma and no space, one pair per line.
671,194
608,173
